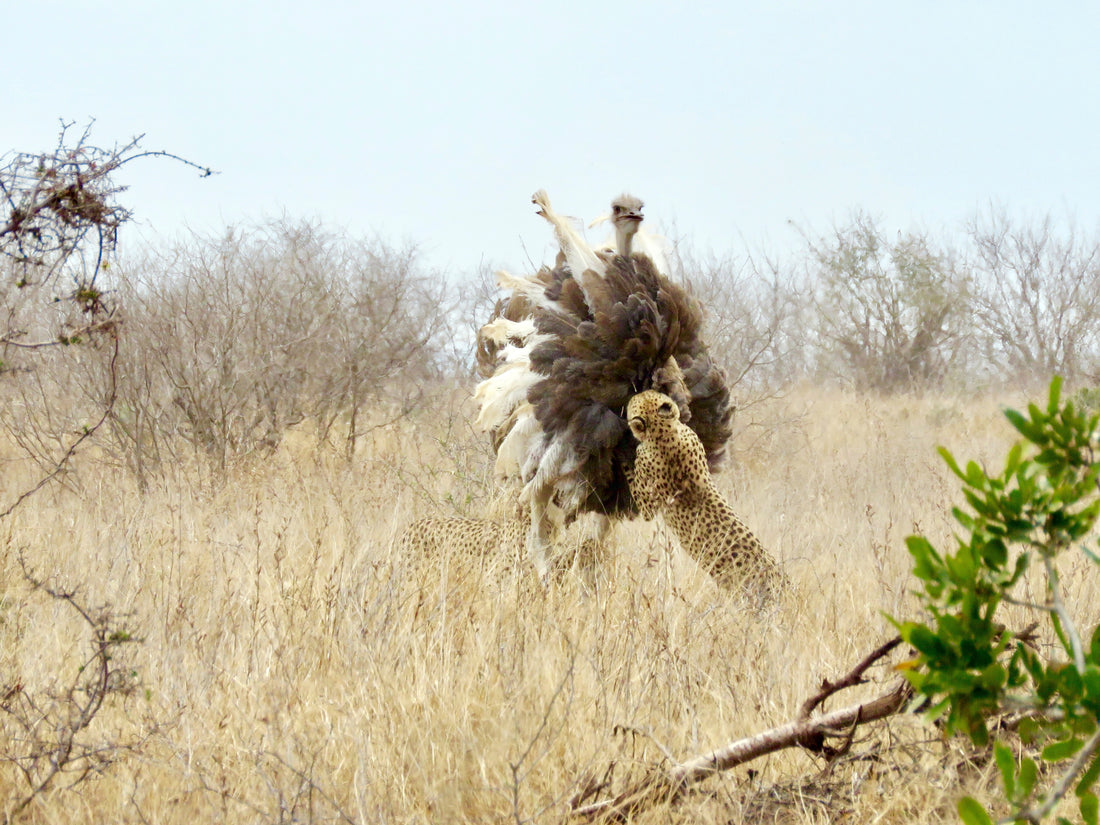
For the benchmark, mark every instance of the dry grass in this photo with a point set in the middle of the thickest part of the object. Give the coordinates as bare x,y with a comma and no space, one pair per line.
293,668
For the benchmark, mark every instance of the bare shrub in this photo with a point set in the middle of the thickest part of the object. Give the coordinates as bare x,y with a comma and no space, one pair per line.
389,336
50,735
889,315
232,340
59,226
1037,297
481,300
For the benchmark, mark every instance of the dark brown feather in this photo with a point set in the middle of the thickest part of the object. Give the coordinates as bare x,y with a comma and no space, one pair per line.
644,335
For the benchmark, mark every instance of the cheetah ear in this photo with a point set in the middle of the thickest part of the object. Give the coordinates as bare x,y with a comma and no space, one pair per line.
637,426
668,410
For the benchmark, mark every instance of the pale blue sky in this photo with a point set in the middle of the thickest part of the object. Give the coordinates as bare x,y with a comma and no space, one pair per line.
434,123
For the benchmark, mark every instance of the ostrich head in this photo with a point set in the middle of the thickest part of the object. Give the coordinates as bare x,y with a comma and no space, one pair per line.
626,214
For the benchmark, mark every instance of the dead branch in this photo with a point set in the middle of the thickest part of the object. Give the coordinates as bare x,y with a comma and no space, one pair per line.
47,732
810,733
62,462
854,677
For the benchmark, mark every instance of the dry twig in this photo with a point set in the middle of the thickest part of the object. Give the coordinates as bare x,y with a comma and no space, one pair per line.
810,733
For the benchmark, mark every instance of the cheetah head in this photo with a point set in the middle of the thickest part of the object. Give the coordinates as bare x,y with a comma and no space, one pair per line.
651,412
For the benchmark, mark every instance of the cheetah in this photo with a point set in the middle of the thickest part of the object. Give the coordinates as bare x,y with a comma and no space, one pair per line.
448,562
671,477
463,547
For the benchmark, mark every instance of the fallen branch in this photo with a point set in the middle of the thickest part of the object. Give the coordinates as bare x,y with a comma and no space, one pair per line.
666,785
854,677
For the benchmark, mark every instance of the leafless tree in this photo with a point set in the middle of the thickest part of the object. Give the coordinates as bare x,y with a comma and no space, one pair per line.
889,315
392,324
1037,296
60,226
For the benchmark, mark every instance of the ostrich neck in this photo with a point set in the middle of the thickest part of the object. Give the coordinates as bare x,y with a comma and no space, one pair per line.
624,238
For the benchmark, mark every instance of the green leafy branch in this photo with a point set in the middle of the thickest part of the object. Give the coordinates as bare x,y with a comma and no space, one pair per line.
970,666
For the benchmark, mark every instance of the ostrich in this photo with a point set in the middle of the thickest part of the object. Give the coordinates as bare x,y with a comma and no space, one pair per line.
562,357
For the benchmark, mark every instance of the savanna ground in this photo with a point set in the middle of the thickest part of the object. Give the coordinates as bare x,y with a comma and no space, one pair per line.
287,665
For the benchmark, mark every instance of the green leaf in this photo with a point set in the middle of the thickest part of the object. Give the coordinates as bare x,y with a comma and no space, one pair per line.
964,518
927,564
1082,724
1089,808
924,640
994,676
937,710
1055,394
994,553
1022,562
1029,730
1029,773
972,813
961,566
1022,425
1092,681
975,475
1088,778
1093,653
1061,750
1012,462
1047,458
1006,763
951,463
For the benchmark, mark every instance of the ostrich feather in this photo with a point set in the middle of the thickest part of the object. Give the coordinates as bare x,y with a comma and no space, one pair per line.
520,442
570,346
503,330
556,463
578,254
501,394
531,289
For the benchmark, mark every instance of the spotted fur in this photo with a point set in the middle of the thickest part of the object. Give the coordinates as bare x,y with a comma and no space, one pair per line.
462,536
671,477
465,546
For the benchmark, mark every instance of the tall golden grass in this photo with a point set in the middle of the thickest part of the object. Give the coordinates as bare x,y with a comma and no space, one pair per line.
292,667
